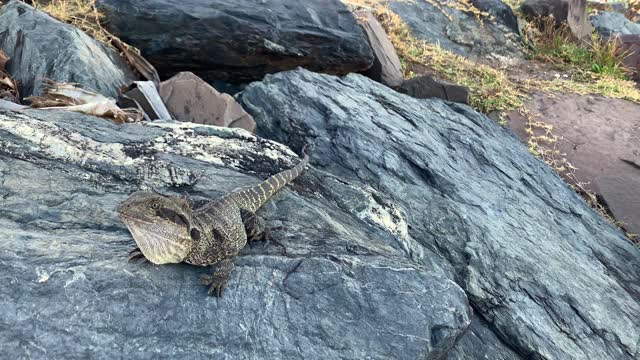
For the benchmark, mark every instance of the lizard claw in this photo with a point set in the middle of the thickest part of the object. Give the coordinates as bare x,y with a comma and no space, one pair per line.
216,285
137,256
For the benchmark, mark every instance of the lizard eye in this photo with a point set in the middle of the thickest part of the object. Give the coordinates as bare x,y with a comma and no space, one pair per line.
155,205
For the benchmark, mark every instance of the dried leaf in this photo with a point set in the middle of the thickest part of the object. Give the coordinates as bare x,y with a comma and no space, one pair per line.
64,96
4,58
140,64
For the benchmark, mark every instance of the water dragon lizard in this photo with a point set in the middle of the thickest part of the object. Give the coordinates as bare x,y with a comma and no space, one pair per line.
167,229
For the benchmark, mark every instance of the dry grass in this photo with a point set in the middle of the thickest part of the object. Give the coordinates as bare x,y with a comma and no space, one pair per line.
489,88
82,14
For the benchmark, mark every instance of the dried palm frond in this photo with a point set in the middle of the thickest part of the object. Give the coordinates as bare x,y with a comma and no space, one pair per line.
66,96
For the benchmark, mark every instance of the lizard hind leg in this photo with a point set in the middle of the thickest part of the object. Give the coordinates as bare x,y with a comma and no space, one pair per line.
218,280
255,226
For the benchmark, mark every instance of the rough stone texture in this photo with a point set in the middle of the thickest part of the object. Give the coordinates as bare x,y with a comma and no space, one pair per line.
457,30
598,135
500,10
425,86
335,283
386,68
190,98
613,23
481,343
551,278
42,47
558,9
241,39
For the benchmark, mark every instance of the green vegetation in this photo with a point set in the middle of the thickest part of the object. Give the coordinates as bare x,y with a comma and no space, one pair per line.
555,44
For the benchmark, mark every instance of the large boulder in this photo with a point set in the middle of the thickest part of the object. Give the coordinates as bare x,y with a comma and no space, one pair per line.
41,47
241,39
549,277
600,143
462,32
336,281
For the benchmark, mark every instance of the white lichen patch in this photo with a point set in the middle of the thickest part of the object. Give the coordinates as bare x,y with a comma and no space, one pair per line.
64,145
390,217
211,147
43,275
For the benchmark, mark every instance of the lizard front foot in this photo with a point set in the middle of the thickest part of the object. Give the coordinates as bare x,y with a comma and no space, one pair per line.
137,256
217,281
216,285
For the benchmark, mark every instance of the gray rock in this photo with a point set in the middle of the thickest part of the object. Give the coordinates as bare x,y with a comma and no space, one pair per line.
481,343
551,278
42,47
458,31
335,283
613,23
425,87
241,39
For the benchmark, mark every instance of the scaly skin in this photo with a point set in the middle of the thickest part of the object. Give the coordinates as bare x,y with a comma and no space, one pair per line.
168,230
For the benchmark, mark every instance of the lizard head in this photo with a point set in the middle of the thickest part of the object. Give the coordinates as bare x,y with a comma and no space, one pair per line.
159,224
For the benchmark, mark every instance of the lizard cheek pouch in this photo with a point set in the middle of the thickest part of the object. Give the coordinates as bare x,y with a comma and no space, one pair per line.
160,244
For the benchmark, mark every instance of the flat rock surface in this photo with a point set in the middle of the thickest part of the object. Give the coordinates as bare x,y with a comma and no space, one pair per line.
241,39
42,47
336,281
599,136
442,22
550,278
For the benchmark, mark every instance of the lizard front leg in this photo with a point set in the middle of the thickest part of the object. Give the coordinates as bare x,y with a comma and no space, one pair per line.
137,256
255,226
217,281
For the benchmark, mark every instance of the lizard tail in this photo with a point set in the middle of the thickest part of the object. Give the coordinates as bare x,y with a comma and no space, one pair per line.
254,197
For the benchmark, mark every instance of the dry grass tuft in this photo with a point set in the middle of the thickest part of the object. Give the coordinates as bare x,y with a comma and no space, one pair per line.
489,88
82,14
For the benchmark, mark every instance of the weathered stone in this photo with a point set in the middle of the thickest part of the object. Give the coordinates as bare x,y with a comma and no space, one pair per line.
551,278
386,65
594,139
189,98
613,23
335,283
441,22
242,39
425,86
42,47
